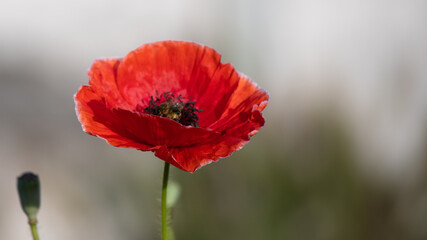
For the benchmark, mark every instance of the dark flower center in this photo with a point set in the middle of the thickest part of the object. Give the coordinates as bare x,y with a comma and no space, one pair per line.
173,107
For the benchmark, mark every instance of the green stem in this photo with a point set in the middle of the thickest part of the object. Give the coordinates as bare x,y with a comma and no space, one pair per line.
164,207
33,225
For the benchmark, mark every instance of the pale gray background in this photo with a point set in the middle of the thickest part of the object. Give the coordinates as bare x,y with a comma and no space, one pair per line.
362,61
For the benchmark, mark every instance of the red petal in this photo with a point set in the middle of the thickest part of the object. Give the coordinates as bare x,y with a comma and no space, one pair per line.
102,78
233,138
143,129
189,69
97,120
215,93
162,66
164,154
244,107
160,131
192,158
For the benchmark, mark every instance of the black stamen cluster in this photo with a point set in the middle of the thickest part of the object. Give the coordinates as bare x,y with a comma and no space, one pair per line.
189,115
173,107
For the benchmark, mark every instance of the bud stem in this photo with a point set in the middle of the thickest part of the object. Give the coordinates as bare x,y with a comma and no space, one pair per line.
164,207
33,225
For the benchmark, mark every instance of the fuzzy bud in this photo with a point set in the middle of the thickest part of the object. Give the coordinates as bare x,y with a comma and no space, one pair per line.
29,194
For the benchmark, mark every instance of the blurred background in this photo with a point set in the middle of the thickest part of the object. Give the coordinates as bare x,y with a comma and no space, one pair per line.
342,155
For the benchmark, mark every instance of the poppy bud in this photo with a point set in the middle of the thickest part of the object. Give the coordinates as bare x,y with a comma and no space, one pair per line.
29,194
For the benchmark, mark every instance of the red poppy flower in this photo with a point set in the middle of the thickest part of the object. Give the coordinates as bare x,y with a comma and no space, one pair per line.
173,98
